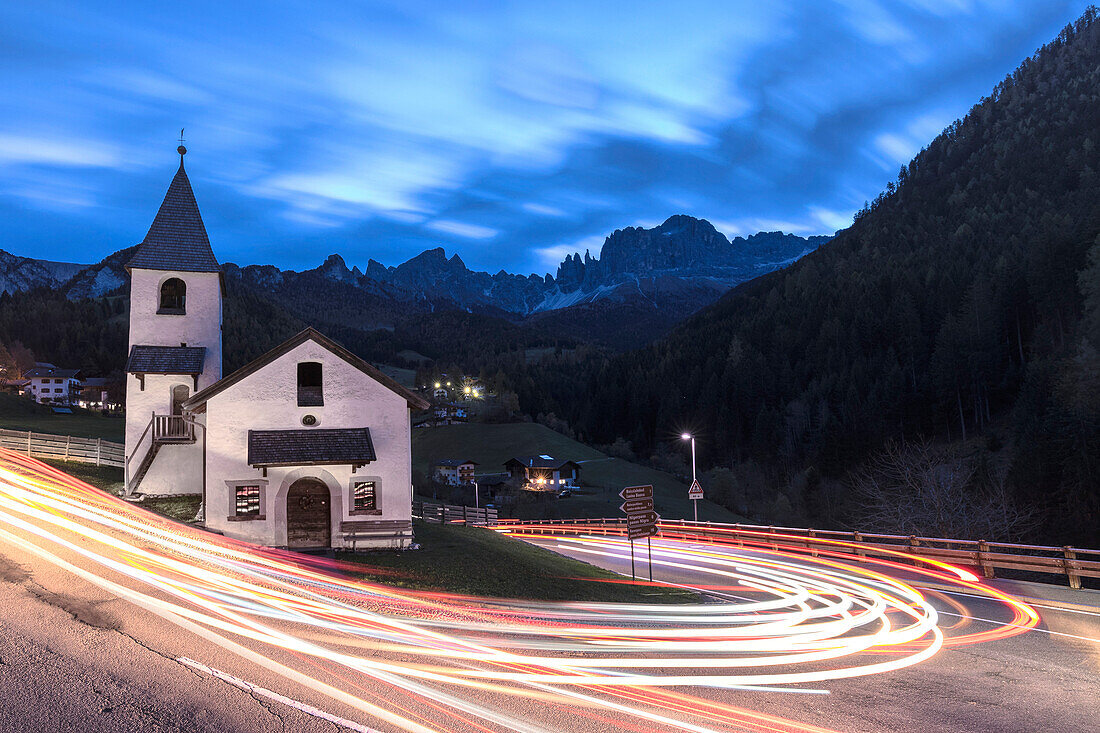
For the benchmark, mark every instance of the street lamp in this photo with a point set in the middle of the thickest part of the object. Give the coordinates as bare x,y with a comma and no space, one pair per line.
689,436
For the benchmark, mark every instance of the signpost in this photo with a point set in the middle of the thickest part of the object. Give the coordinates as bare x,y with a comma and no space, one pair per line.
641,520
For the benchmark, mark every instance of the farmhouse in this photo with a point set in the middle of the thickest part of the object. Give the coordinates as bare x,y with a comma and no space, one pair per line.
454,471
307,446
543,472
51,385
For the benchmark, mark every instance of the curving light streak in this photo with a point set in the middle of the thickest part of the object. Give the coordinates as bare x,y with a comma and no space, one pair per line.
433,661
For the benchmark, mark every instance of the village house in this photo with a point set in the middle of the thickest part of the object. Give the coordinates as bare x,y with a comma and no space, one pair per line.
50,385
454,471
95,394
543,472
307,446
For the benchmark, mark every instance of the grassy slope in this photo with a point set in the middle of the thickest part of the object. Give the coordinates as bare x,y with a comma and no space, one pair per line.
21,413
107,478
603,477
453,558
475,561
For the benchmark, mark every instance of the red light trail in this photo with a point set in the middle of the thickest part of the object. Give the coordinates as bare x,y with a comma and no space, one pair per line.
777,621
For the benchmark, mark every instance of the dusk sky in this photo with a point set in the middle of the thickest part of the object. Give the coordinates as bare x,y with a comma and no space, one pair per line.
510,133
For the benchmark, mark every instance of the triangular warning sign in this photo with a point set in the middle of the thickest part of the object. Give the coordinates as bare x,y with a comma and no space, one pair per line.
696,491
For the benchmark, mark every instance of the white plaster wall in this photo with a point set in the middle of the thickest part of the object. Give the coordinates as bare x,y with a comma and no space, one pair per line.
177,468
268,400
201,326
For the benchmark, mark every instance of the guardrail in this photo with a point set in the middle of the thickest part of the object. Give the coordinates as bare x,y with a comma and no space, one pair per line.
66,447
1072,562
452,514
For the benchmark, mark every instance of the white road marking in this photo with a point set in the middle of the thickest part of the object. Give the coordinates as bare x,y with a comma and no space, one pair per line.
264,692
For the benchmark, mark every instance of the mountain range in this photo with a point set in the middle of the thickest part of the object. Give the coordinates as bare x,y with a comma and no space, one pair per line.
658,276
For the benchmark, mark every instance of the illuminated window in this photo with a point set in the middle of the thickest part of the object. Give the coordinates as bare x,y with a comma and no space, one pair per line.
248,500
309,384
173,297
363,496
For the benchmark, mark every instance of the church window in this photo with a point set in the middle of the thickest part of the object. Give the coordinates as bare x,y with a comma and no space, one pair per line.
309,384
173,297
363,496
248,500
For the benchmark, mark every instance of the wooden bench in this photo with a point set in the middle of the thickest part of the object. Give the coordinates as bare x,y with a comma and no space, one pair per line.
393,529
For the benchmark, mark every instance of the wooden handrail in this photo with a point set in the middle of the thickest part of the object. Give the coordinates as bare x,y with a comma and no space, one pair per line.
1071,562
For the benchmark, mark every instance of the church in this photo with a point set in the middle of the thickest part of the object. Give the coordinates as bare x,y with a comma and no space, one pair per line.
308,446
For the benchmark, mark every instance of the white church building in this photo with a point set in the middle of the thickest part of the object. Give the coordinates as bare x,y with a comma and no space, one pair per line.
307,446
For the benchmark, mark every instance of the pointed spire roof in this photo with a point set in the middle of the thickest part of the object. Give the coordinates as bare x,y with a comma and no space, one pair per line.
177,238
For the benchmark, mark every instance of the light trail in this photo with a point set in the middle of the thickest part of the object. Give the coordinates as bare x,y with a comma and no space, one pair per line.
433,661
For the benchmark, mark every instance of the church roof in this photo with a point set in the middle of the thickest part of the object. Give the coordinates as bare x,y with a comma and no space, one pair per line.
310,447
199,399
177,238
165,359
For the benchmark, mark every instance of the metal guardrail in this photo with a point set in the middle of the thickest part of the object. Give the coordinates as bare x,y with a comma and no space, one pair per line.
66,447
1072,562
452,514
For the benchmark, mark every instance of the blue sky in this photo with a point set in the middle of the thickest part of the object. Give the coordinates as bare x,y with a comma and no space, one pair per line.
510,133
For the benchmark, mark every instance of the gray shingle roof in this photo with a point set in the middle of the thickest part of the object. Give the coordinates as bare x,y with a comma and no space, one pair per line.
177,238
454,462
165,359
51,371
540,461
309,447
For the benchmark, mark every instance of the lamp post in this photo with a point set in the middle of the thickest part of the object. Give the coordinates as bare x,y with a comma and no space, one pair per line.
695,502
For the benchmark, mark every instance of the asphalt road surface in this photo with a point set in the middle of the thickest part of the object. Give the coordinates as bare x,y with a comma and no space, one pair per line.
116,620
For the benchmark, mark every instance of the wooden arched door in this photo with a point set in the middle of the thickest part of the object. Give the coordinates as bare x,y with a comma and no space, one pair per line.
308,514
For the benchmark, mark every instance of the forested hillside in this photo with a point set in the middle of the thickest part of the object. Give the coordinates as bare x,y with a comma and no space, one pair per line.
958,303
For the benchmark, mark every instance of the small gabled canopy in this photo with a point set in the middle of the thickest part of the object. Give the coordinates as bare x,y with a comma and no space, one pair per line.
177,239
199,399
310,447
165,359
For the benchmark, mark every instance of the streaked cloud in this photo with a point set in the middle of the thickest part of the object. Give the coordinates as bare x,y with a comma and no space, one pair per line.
512,132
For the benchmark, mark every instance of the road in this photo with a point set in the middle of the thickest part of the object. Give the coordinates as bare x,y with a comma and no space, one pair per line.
117,620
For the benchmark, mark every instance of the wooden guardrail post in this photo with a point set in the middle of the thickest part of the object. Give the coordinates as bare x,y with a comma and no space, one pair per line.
737,534
774,546
68,439
858,539
1074,578
28,443
98,450
985,565
810,535
914,545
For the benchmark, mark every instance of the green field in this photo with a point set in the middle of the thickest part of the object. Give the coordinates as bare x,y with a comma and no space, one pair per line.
601,476
475,561
22,413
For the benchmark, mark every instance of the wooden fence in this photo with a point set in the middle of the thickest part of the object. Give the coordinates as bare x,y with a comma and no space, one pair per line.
452,514
66,447
1073,563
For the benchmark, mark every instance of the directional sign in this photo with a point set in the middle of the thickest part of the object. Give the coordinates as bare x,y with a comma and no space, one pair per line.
637,506
637,492
637,533
641,520
696,491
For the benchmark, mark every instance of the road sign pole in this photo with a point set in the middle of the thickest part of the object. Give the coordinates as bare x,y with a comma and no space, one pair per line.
649,551
695,506
632,577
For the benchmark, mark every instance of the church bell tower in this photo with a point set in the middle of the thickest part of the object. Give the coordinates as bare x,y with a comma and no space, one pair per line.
175,344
